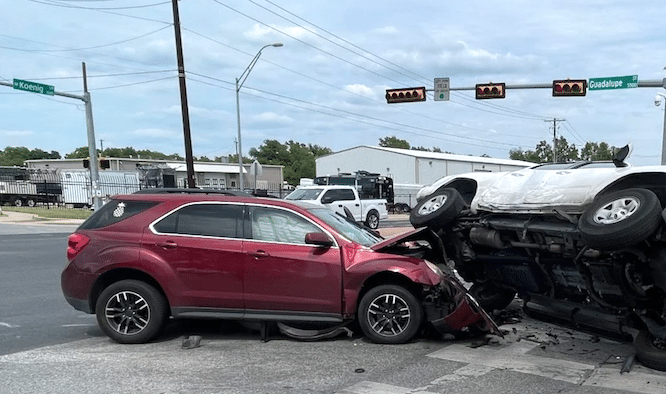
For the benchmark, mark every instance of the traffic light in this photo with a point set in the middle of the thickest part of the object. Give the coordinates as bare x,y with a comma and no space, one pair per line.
405,95
569,87
490,90
103,163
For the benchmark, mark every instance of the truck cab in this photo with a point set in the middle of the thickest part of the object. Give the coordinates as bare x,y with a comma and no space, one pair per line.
337,198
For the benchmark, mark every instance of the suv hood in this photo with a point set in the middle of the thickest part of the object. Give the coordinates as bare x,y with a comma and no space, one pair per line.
419,234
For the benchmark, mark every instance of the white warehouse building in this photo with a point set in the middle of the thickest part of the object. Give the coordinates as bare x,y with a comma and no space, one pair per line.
410,169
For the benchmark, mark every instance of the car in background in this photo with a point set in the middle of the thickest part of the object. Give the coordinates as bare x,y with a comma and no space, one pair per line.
583,242
339,197
145,257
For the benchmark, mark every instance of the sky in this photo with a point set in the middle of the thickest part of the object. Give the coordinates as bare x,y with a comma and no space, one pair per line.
326,85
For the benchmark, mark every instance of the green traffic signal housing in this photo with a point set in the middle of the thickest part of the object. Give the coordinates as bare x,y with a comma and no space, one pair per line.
490,90
569,87
405,95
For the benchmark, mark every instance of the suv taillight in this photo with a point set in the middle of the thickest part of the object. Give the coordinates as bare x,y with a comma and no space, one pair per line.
75,244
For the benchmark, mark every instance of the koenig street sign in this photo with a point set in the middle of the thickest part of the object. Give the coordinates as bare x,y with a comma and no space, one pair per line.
33,87
626,82
441,89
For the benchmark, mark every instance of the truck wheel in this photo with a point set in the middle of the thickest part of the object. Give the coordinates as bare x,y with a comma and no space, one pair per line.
620,219
372,220
18,202
131,311
31,202
390,314
438,209
651,352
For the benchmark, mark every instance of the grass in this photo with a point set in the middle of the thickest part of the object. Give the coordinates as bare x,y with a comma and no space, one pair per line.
53,213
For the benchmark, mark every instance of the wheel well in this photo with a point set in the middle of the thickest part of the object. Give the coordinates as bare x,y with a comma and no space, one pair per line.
466,188
389,278
652,181
117,275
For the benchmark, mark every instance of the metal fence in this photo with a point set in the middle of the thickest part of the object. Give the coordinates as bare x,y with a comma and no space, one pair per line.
73,189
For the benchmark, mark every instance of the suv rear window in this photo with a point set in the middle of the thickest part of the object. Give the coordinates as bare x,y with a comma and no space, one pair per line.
114,211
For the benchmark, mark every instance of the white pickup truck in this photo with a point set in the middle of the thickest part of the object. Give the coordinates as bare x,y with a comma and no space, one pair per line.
339,197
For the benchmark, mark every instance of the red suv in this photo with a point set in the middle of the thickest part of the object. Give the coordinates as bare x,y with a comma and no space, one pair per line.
145,257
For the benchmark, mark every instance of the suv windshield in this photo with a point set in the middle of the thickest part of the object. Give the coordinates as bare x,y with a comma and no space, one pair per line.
347,228
304,194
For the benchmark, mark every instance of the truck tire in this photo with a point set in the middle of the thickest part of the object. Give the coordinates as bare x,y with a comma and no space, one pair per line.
650,352
372,220
620,219
438,209
18,202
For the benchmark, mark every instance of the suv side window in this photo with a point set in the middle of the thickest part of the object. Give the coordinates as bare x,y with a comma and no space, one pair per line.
212,220
278,225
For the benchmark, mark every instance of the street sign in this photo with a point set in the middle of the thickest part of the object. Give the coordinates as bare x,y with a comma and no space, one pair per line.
33,87
626,82
442,89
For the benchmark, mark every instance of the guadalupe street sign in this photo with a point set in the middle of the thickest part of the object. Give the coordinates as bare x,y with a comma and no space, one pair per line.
33,87
626,82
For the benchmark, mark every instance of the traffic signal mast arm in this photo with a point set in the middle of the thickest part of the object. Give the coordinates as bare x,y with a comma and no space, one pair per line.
560,88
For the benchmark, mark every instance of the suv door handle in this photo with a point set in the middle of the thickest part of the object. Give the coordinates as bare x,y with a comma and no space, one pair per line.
167,245
259,254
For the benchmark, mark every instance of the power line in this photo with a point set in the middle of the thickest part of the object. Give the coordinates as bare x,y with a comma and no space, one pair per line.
519,114
357,115
57,4
83,49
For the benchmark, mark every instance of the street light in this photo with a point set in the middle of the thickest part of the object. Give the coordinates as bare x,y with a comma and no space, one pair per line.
657,101
242,79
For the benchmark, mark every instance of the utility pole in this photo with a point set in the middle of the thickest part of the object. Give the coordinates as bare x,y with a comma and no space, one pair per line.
555,120
189,160
95,192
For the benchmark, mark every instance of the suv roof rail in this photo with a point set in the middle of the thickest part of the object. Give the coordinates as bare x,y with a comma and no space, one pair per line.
173,190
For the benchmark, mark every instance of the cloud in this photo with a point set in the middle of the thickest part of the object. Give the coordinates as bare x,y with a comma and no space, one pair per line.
16,133
272,118
261,31
156,133
360,89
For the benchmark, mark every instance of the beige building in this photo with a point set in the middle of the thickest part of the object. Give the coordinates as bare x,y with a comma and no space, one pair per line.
171,173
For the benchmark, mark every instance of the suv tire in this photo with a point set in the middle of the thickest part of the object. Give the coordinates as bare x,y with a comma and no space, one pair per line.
438,209
620,219
131,311
390,314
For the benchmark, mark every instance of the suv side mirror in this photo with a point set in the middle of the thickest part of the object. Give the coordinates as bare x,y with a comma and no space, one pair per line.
319,239
327,200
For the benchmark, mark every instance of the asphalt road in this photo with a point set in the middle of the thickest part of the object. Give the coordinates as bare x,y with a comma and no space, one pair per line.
47,346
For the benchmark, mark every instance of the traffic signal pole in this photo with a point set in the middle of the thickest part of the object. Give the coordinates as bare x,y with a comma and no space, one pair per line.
95,191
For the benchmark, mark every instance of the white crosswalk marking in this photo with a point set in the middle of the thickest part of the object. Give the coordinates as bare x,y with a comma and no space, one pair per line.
514,357
379,388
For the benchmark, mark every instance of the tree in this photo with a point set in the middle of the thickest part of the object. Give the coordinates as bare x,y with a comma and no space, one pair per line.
16,156
393,142
297,158
79,153
565,152
593,151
